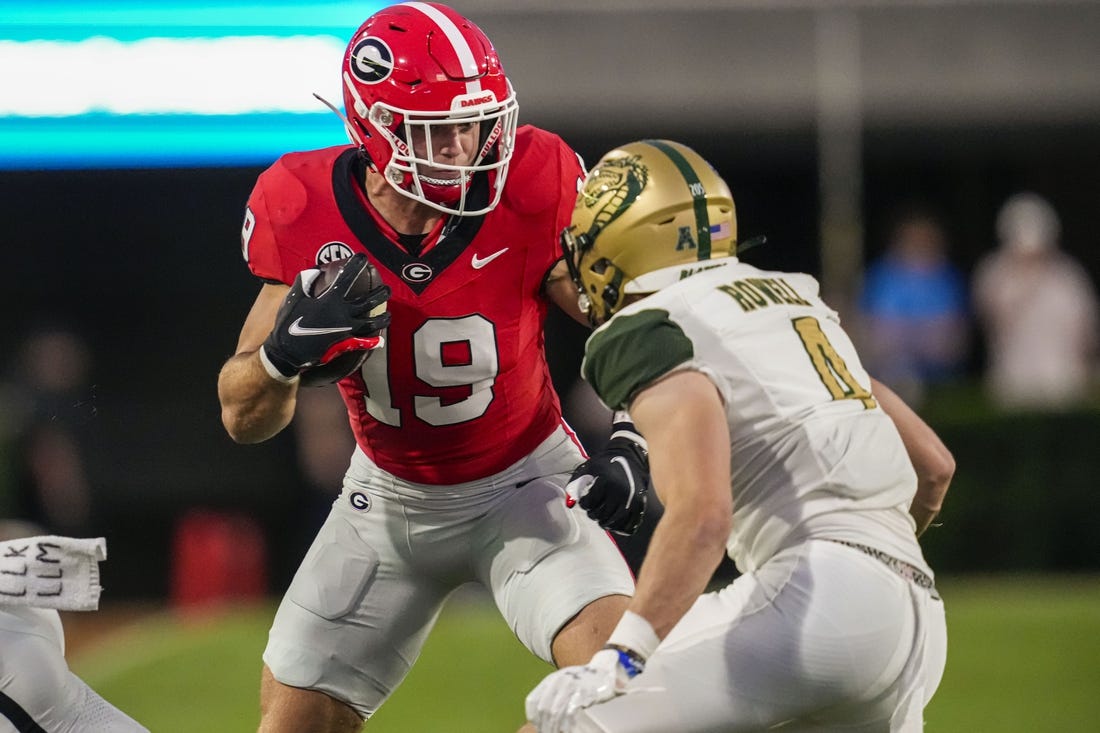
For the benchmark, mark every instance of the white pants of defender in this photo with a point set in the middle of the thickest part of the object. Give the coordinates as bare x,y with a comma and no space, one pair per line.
391,551
821,638
36,686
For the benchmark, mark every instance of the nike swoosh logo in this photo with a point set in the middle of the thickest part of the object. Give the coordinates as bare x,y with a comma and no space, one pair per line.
298,330
629,478
477,262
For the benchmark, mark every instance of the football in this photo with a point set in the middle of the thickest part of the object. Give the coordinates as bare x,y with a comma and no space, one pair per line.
351,360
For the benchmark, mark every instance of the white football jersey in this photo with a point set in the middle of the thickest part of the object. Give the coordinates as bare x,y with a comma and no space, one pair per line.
812,453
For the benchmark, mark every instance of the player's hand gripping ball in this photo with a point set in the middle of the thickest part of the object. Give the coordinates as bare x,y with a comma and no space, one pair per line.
346,356
331,319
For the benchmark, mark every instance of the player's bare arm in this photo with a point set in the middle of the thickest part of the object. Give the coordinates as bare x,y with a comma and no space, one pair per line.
683,420
562,292
933,462
255,407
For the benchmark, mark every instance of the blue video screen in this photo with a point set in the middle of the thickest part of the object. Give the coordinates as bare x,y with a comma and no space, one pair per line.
128,83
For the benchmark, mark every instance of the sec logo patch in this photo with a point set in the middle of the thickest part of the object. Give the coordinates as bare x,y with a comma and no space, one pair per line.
333,251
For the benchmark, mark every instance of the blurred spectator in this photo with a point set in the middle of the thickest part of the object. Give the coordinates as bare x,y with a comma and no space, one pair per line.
1038,309
913,309
48,404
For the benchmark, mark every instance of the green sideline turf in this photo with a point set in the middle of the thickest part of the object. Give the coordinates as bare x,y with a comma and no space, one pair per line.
1024,656
203,675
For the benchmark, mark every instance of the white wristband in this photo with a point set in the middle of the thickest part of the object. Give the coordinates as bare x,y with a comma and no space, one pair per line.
622,416
634,632
273,372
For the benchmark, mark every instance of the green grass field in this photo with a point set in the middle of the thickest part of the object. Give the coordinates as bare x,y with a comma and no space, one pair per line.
1024,656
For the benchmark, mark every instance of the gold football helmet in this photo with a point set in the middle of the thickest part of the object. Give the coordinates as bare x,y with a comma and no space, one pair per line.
650,213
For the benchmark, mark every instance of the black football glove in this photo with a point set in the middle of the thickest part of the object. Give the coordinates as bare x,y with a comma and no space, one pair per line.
612,486
310,329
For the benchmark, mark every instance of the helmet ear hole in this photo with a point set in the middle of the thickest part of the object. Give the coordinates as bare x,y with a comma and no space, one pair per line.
610,297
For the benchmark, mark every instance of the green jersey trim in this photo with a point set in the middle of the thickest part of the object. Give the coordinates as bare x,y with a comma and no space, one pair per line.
632,351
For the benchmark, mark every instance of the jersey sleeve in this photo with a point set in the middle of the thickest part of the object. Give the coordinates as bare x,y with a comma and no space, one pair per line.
571,178
630,352
569,175
258,238
542,188
276,201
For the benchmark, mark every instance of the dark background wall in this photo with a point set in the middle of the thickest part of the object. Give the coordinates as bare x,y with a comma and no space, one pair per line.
145,263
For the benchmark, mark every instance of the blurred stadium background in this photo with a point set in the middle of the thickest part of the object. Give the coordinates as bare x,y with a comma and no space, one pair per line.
131,134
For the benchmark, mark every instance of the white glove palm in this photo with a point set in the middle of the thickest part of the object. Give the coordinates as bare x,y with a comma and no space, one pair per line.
553,705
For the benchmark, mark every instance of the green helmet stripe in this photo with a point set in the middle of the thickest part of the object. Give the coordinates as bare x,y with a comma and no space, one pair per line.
698,195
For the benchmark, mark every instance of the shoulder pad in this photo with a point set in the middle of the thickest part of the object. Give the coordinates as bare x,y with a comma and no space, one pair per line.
287,183
542,171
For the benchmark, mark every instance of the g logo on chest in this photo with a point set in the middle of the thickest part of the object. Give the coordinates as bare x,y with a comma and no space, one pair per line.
417,272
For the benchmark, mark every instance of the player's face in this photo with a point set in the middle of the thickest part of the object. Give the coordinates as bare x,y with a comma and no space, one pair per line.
448,145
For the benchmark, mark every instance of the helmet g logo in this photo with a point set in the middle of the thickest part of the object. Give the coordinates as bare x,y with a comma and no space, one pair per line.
371,60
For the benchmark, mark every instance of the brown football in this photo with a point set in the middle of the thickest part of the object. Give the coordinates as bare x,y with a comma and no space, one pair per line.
344,364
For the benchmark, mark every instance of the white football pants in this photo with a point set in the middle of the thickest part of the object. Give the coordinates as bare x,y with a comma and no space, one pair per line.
37,690
821,638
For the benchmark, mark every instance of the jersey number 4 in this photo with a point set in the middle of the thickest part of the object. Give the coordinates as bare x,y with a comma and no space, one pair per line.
830,366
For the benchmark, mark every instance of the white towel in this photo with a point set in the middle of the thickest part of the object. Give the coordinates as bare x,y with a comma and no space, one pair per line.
51,572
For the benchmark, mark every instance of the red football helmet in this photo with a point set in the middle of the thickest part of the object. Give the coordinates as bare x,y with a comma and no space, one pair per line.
416,66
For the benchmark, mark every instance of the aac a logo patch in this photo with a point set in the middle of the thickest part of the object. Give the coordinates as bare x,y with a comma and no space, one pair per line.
371,60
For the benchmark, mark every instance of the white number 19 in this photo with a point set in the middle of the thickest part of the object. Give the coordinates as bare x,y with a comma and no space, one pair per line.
473,338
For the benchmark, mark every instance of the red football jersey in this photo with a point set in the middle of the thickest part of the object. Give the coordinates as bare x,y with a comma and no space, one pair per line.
461,389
